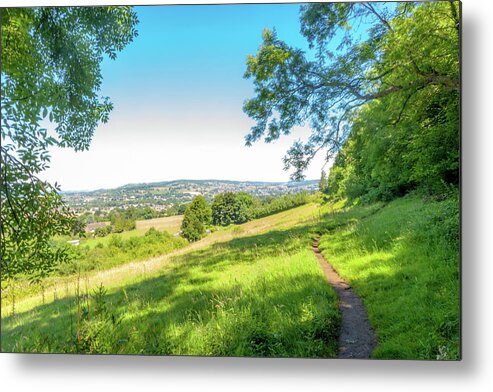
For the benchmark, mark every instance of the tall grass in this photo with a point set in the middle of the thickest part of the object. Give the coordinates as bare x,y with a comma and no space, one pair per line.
404,262
115,251
262,295
257,290
119,250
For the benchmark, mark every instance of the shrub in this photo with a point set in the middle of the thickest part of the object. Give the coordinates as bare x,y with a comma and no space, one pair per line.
121,224
103,231
230,207
198,216
192,228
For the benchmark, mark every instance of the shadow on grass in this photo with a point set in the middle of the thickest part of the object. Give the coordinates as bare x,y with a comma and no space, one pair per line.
185,311
407,277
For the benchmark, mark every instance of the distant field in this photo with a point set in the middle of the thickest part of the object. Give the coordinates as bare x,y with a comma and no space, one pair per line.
92,242
171,224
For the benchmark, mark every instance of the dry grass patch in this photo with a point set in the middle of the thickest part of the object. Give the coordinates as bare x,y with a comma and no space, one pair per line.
171,224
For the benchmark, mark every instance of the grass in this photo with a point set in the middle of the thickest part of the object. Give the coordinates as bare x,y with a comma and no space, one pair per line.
403,262
118,249
97,241
27,297
256,290
171,224
100,257
260,295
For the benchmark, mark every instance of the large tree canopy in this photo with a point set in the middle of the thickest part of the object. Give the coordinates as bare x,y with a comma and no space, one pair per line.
363,53
50,70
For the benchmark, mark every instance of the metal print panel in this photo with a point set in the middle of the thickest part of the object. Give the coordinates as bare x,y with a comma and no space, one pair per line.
250,180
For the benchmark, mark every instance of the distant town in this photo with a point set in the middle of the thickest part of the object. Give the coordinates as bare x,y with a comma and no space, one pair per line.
163,196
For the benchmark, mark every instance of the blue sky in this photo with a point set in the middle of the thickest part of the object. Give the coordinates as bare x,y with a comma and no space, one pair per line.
178,92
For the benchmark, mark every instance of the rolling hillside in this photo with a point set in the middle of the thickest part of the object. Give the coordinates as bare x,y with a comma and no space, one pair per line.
256,290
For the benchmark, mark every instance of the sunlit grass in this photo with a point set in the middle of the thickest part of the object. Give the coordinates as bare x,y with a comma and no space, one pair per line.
406,269
171,224
28,297
259,295
93,242
256,290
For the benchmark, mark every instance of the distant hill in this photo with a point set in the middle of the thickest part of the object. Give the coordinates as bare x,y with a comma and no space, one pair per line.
161,195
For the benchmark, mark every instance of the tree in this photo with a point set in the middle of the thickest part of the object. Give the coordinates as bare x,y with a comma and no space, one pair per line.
230,207
50,69
191,227
202,209
103,231
198,216
410,51
121,223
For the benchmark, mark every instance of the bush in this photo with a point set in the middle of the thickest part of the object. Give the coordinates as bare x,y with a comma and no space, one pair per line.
192,228
231,207
103,231
121,224
198,216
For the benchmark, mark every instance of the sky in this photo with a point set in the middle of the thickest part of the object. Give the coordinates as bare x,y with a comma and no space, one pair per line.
178,92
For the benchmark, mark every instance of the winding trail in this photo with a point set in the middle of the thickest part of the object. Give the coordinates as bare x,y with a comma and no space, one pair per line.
356,339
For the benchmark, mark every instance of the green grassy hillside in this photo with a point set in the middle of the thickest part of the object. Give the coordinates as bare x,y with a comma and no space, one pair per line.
256,290
404,263
255,295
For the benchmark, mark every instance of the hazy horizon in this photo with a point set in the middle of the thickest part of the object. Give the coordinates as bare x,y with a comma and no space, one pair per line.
184,180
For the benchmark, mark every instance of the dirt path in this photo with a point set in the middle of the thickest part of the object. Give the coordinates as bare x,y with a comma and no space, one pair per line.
356,339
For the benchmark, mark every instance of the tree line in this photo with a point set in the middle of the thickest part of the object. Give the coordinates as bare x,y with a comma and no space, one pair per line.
233,208
418,147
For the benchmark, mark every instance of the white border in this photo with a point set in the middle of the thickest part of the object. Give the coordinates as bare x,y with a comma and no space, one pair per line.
110,373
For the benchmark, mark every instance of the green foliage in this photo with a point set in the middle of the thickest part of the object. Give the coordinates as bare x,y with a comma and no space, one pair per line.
396,92
51,71
118,251
323,183
32,213
274,205
403,260
121,224
103,231
136,213
95,322
191,227
201,209
198,216
230,207
78,227
177,209
381,162
132,213
419,145
122,219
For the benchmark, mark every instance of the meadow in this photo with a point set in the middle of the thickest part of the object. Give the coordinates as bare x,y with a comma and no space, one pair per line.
256,290
171,224
382,101
404,264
